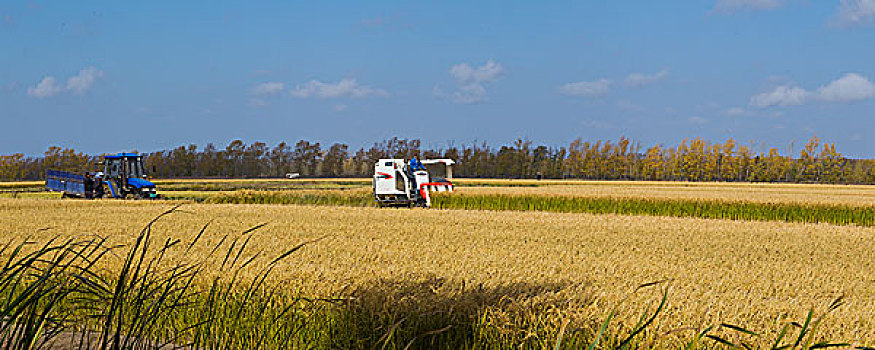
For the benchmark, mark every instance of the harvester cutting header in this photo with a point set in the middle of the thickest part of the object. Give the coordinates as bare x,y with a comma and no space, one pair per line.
397,183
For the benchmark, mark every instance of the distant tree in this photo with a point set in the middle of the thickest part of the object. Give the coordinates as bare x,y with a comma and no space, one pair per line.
254,160
332,163
831,164
234,158
12,167
281,159
808,167
208,162
307,157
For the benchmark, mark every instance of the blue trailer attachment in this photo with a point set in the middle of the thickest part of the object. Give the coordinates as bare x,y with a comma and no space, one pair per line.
123,176
68,183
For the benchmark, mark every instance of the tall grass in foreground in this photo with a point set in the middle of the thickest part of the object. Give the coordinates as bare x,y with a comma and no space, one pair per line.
55,296
709,209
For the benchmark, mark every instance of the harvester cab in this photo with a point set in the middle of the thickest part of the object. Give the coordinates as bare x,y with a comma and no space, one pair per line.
125,176
400,183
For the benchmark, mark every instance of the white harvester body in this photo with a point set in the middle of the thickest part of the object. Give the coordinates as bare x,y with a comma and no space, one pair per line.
400,183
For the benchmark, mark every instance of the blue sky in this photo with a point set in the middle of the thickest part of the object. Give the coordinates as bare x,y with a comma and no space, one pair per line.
106,76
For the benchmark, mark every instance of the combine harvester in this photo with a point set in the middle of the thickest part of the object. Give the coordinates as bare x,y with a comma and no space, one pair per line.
123,176
397,183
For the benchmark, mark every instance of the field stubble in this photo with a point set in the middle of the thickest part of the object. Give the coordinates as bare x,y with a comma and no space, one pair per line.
521,268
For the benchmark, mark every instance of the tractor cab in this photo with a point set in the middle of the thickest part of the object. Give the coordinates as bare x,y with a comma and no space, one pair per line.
125,176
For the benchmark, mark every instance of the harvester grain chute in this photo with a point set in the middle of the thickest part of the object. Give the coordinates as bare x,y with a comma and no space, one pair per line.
123,176
400,183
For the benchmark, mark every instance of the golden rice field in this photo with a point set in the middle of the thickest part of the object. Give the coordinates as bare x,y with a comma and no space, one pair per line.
515,269
760,193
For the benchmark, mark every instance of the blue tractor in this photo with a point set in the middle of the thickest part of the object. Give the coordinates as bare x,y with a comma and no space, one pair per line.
123,176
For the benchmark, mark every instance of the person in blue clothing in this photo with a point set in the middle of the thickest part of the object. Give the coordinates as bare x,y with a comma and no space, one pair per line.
415,165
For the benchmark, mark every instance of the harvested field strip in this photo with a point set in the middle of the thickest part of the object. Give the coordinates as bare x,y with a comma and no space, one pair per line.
709,209
264,186
334,198
244,183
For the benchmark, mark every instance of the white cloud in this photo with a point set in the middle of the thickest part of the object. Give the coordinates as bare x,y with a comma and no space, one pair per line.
851,87
856,12
786,95
47,87
78,84
471,81
732,6
639,80
471,93
339,107
82,82
344,88
488,72
587,88
697,120
268,88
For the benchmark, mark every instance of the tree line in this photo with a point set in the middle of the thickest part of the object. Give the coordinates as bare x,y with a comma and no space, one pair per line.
691,160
